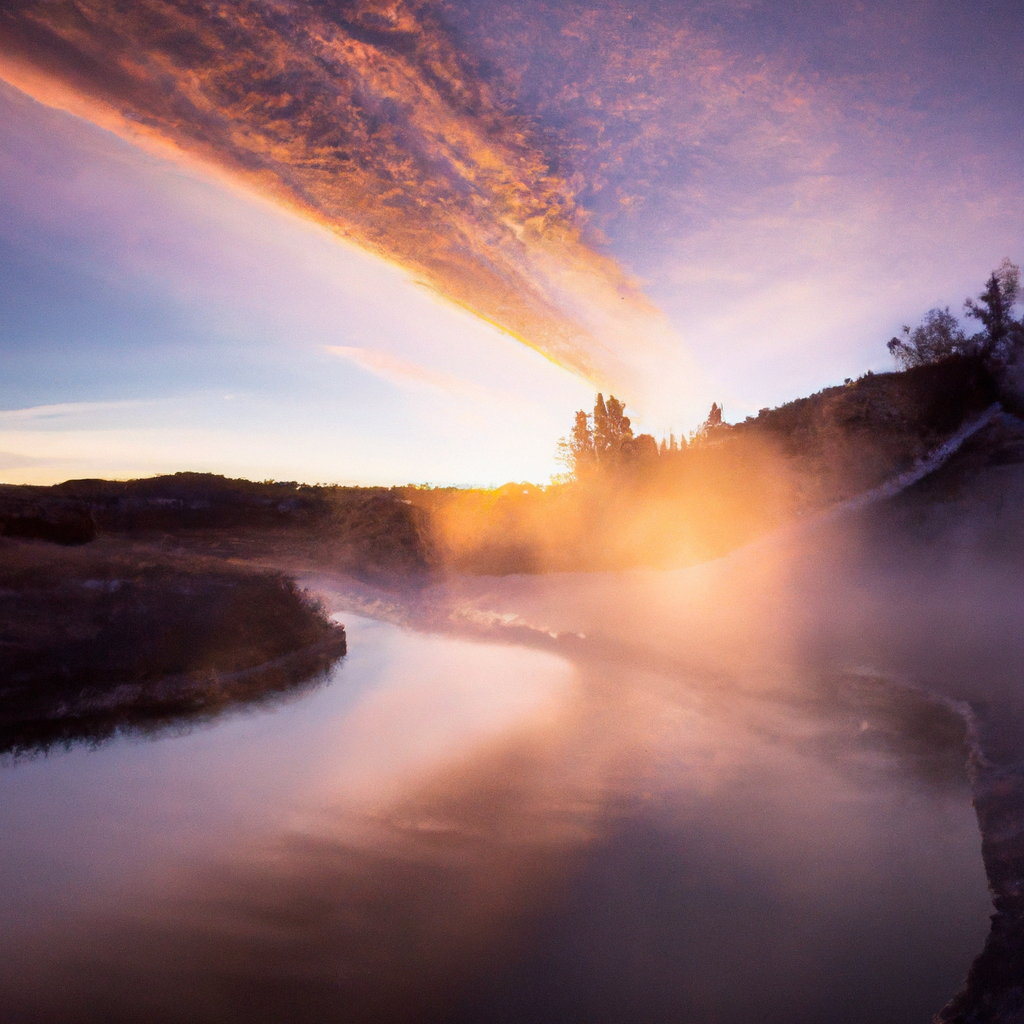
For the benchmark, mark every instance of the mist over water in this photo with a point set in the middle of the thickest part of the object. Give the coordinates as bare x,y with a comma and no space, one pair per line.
709,794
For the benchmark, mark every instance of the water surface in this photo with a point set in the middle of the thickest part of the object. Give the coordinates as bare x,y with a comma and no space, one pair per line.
464,830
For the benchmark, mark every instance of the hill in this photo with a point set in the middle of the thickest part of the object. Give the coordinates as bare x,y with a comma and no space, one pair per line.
368,531
731,484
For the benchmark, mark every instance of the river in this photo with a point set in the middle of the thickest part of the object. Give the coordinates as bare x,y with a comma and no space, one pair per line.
561,800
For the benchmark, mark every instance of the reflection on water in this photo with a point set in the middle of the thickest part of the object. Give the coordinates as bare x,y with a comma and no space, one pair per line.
469,831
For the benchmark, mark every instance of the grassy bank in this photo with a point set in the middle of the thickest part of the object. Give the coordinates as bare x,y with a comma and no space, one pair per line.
102,637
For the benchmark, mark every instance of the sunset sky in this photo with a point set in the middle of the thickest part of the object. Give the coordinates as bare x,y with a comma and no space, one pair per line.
383,242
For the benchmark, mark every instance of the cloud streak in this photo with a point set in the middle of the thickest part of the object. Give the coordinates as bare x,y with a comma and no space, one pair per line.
532,162
364,116
48,413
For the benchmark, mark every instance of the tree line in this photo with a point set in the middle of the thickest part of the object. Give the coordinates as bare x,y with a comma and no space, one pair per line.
603,441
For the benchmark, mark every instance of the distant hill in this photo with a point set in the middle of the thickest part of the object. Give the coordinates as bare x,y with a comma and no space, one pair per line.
365,530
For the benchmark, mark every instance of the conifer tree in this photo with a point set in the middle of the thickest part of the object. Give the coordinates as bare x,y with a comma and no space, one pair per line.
993,308
619,431
602,435
576,452
602,441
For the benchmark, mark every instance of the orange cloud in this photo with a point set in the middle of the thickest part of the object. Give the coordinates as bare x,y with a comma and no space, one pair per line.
491,149
366,118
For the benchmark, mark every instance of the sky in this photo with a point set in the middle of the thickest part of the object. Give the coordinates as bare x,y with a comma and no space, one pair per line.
386,242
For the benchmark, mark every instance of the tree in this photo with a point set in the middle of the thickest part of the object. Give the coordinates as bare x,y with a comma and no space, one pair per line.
643,449
613,431
710,425
1002,335
937,337
619,431
576,452
940,336
601,441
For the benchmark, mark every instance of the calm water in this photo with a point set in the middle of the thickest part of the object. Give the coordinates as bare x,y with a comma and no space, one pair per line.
467,831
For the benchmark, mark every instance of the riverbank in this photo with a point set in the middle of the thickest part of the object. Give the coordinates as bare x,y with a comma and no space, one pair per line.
118,636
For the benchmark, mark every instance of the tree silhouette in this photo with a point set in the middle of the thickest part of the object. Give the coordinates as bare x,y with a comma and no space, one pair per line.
940,336
576,452
613,432
937,337
603,440
710,425
993,307
618,431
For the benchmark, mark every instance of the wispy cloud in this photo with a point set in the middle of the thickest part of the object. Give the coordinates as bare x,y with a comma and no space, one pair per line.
12,460
41,414
406,374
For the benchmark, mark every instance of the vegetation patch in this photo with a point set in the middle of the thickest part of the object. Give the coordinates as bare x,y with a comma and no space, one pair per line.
98,639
